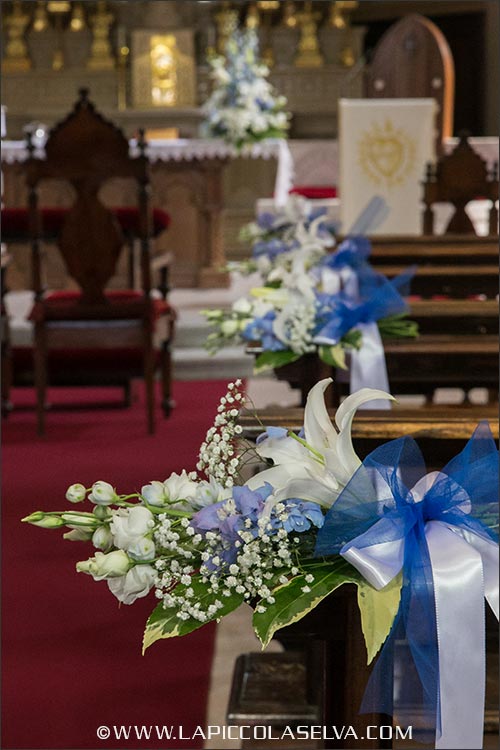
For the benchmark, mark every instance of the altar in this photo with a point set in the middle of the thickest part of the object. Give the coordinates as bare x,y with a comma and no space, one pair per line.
189,179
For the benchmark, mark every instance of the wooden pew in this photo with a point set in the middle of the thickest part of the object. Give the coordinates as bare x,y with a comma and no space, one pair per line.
458,266
324,663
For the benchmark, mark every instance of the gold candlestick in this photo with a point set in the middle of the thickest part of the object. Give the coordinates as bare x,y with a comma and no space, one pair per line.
289,16
337,9
58,8
40,17
77,21
123,55
309,54
342,22
268,7
101,57
226,21
16,51
252,20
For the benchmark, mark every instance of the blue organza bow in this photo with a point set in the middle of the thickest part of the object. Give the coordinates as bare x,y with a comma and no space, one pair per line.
440,530
352,252
338,313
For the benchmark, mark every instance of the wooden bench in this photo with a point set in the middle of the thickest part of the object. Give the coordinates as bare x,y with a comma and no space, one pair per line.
329,641
454,265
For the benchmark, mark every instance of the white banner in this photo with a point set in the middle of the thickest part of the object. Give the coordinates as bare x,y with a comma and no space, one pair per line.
384,145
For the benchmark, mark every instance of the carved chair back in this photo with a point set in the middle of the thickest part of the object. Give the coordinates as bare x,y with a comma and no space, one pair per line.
458,178
86,150
413,60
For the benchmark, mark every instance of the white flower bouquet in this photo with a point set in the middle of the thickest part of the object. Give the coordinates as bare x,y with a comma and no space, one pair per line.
243,107
312,297
205,541
422,548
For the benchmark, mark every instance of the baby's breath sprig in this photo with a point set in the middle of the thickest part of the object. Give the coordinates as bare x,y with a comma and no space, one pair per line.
218,455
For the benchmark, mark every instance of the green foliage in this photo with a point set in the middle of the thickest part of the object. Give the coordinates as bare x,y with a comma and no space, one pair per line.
292,603
378,610
333,356
271,360
398,327
164,623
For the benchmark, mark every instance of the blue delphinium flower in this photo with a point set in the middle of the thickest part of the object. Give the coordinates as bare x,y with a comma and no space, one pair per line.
302,515
261,329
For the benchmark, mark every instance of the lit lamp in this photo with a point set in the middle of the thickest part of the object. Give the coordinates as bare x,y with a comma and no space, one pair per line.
164,70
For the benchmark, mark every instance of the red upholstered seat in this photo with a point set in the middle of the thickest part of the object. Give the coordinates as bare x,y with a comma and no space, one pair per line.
315,192
123,304
94,360
15,222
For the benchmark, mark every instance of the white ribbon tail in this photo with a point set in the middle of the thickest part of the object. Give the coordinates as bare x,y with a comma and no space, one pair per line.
368,368
457,571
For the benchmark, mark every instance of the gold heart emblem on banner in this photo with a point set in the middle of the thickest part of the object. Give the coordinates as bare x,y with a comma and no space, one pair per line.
386,154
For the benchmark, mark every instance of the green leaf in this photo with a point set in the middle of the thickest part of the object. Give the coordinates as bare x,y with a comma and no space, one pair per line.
164,623
353,339
398,327
333,355
378,610
292,604
270,360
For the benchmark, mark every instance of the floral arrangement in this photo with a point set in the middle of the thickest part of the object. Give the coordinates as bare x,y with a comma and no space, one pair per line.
309,297
243,107
421,548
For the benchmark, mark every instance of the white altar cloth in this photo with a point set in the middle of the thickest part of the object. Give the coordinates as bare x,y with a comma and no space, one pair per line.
192,149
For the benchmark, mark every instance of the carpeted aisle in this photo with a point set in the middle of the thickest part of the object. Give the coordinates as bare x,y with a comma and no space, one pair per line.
71,656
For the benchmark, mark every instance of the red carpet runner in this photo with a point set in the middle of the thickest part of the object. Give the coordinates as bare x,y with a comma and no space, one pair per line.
71,656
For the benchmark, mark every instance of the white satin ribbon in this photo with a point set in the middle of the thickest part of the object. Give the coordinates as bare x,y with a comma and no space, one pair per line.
368,368
464,572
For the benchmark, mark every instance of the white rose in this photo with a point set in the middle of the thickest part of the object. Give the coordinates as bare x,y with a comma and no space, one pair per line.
180,487
102,538
142,550
102,493
76,493
105,566
134,585
78,535
154,493
210,492
242,306
229,327
129,525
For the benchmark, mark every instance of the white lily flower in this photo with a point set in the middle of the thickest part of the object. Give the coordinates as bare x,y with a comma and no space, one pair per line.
319,467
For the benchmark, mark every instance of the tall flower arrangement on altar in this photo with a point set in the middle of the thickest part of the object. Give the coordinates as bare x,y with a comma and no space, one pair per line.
311,295
243,107
421,547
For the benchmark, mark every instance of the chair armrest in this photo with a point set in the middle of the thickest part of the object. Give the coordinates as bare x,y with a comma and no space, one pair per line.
162,263
164,260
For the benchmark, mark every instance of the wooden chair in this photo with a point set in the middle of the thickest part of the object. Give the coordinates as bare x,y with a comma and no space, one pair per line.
458,178
86,150
413,60
5,343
